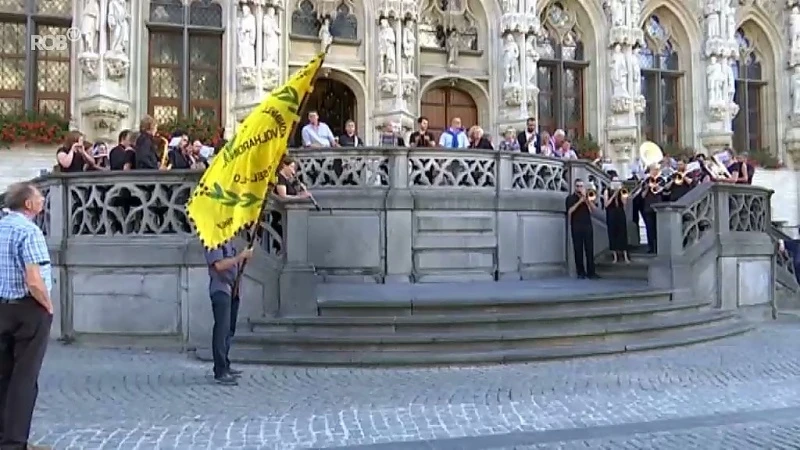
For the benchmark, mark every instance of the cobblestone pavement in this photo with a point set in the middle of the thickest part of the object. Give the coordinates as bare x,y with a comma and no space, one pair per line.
739,393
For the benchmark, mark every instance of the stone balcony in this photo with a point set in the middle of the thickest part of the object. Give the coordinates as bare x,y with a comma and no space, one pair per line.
130,268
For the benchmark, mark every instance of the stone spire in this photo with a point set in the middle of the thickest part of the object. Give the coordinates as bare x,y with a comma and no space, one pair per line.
721,51
624,91
104,50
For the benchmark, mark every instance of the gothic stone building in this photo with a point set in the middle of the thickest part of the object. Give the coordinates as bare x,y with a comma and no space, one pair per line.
700,73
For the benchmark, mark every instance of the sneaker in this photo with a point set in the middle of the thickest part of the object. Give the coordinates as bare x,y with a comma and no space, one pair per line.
226,380
234,372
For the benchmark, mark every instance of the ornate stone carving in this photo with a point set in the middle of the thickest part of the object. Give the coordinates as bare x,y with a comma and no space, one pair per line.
119,28
796,94
509,6
387,48
512,95
409,48
246,78
104,117
720,26
410,89
639,102
453,47
715,83
440,19
325,36
532,100
438,171
270,77
361,170
531,59
388,84
117,66
246,38
510,61
272,38
90,64
90,27
534,175
794,36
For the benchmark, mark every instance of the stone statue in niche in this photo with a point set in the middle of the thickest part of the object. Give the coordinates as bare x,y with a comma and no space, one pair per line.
387,47
325,36
636,72
452,46
90,26
510,60
531,58
715,79
409,47
247,38
713,26
618,12
726,19
119,29
635,12
730,81
619,73
510,6
796,91
794,29
272,37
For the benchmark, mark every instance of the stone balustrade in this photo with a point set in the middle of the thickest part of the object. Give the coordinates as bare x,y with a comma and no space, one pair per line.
127,261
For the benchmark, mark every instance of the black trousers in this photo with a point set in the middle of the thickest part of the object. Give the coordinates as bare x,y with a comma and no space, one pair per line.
226,312
651,229
24,332
583,244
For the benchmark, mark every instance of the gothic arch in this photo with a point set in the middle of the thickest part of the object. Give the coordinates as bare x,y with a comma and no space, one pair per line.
686,47
767,50
590,21
478,93
354,83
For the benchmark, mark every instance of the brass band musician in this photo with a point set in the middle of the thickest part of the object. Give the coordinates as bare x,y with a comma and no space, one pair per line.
580,205
652,191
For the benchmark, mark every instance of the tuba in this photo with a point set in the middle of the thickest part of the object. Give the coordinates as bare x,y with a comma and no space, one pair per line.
650,153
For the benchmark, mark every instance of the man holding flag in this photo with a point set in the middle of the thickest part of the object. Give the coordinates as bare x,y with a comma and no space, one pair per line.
232,193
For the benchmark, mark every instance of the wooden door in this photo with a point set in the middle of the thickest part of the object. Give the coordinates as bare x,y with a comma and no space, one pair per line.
441,105
335,103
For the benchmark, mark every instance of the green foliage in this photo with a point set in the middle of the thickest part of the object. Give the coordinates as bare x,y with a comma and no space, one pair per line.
586,147
763,157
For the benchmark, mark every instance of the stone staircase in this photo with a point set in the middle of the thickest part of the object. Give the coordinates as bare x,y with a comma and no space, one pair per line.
453,323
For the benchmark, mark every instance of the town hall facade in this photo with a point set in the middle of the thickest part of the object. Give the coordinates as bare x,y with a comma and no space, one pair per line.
701,74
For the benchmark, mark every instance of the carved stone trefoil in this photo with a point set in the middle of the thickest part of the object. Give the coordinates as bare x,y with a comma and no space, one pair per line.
90,65
117,66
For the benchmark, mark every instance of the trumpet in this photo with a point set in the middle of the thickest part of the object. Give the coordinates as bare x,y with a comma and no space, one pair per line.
655,185
591,195
678,178
624,194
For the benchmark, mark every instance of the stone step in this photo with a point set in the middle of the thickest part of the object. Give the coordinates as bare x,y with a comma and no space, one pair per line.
637,269
502,302
542,335
576,316
265,354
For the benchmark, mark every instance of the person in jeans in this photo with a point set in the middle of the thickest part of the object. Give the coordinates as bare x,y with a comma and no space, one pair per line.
26,313
223,265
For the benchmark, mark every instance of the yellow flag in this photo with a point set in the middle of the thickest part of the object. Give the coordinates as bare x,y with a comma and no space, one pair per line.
230,195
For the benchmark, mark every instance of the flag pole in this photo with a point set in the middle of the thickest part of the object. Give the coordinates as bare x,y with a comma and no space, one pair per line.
262,215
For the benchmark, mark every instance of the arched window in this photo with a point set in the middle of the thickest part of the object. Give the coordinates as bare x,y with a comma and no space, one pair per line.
749,84
185,60
560,73
660,78
34,79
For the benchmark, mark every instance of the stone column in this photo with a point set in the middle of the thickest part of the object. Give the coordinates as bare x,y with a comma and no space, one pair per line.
515,47
397,66
104,97
792,138
626,101
721,51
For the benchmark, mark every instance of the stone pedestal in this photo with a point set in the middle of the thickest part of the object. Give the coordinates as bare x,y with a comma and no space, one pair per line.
622,147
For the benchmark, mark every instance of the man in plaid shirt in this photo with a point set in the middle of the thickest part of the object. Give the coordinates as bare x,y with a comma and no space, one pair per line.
26,312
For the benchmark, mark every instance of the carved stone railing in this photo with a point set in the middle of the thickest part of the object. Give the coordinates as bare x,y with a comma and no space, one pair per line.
715,242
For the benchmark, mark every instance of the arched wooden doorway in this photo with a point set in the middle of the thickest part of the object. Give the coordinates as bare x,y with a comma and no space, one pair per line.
335,103
440,105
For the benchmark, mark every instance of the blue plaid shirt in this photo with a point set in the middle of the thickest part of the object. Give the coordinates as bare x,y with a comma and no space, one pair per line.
21,243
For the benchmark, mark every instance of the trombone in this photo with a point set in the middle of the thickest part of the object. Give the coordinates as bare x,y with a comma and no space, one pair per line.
163,145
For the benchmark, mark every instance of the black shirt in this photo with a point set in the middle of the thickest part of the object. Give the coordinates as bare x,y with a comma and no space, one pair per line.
291,188
582,218
678,191
146,152
483,143
346,140
736,168
419,139
77,161
119,156
178,160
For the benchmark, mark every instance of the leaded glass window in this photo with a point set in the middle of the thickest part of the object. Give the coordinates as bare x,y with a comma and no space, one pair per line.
560,73
747,135
32,80
185,60
660,81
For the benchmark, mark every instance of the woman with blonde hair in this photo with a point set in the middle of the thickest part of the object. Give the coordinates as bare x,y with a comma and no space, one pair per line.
477,140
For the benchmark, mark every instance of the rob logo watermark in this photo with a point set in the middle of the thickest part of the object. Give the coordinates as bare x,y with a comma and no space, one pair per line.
55,42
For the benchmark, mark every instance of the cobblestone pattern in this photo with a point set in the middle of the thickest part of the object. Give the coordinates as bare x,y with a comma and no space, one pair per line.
109,399
772,436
